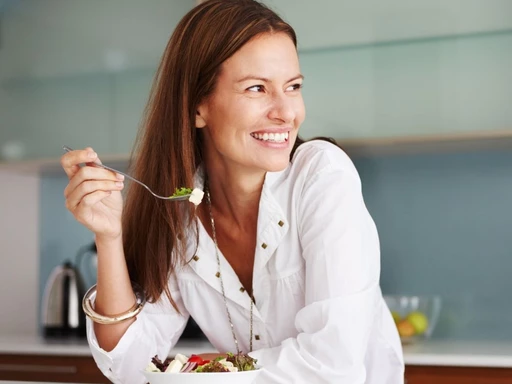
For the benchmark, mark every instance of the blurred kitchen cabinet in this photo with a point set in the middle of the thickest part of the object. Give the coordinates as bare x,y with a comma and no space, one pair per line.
103,111
130,95
78,73
84,81
416,374
438,86
50,113
50,368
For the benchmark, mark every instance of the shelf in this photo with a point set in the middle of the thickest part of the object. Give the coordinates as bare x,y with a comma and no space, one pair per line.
51,166
389,146
412,145
407,41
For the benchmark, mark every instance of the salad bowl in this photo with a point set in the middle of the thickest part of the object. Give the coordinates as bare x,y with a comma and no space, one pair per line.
243,377
193,369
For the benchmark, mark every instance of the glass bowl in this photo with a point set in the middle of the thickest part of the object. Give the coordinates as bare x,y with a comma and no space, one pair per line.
415,316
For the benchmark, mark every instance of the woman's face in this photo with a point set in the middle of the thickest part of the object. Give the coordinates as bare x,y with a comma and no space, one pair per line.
252,118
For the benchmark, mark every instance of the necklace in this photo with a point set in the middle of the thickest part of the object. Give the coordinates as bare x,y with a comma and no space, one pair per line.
219,275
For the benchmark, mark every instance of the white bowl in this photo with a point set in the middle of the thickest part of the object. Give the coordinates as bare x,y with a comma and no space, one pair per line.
245,377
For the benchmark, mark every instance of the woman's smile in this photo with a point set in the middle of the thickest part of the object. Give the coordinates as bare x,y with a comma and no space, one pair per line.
272,138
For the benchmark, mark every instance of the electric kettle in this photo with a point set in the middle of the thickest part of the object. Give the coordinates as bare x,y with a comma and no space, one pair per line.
62,313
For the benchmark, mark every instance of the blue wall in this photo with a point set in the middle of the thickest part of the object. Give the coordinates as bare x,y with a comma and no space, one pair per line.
445,224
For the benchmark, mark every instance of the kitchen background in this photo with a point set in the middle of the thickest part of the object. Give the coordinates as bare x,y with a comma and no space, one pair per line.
418,92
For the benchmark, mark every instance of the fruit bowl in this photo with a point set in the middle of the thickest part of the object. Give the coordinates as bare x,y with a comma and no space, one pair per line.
415,316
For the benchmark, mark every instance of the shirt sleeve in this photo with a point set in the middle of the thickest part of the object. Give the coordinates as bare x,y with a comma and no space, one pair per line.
342,261
155,332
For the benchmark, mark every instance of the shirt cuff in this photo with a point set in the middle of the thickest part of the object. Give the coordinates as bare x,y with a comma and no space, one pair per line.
108,361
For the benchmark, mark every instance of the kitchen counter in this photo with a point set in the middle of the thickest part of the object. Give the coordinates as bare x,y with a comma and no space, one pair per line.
434,352
35,345
460,353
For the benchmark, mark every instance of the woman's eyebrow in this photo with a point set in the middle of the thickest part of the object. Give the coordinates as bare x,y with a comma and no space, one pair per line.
297,77
266,80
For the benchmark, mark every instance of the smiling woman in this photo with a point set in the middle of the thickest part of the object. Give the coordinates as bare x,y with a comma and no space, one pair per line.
283,250
253,117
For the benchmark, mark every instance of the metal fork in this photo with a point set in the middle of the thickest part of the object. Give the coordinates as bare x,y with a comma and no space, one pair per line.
175,198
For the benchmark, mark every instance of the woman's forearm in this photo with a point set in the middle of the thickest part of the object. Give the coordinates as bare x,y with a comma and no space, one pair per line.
114,291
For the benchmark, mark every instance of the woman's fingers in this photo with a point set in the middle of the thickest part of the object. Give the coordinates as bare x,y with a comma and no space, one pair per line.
83,210
90,173
88,186
71,161
93,198
81,194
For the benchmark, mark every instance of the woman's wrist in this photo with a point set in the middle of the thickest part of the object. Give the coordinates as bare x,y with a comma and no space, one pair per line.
99,317
105,241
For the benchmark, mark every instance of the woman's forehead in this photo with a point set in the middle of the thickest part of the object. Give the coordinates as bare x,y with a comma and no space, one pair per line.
264,56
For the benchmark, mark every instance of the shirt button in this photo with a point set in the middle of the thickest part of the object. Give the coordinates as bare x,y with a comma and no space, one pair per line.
195,258
242,289
264,245
281,223
257,337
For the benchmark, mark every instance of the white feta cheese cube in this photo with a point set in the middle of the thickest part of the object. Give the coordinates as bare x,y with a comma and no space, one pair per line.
152,368
196,196
174,367
181,358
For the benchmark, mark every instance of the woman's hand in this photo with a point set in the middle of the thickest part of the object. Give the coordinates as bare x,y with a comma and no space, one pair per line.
93,194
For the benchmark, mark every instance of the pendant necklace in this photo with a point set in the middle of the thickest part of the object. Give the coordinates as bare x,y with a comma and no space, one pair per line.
219,275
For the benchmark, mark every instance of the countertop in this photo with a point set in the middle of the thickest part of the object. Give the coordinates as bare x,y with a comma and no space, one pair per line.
433,352
460,353
35,345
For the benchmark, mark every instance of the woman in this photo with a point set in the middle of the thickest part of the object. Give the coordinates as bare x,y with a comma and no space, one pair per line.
280,260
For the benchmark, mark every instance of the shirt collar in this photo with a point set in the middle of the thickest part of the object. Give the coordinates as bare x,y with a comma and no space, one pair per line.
272,227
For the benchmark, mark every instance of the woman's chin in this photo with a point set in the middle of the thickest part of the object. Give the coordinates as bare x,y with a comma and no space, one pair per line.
277,166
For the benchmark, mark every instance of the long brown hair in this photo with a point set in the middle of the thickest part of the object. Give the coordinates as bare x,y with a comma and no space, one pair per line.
168,149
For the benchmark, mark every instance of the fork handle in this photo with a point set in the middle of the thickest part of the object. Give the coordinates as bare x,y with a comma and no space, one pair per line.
68,149
121,173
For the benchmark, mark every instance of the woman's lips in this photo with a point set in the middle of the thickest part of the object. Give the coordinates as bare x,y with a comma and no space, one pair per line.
271,137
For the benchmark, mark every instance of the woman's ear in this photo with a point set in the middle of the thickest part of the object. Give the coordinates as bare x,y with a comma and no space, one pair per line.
200,117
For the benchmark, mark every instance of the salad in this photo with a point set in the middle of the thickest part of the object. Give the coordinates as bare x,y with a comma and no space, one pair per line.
195,364
182,192
196,195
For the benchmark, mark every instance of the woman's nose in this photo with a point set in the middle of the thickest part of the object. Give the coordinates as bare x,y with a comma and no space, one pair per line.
283,108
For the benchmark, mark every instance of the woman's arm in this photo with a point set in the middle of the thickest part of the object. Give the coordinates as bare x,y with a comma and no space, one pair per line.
114,291
155,331
341,251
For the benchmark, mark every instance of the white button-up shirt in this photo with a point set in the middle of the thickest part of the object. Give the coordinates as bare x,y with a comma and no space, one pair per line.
319,316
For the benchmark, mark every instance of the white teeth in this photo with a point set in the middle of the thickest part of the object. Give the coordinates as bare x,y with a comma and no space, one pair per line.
274,137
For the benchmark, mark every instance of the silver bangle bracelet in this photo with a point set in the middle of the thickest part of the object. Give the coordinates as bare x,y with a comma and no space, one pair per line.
140,300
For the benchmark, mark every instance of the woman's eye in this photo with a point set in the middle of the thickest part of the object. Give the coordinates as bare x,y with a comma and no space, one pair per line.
294,87
256,88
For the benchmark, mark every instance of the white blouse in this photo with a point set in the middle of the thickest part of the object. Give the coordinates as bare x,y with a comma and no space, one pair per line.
319,315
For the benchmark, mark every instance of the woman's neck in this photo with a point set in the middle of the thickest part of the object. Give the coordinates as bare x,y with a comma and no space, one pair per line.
235,195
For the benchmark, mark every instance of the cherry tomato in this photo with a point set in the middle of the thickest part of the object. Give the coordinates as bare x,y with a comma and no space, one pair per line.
195,359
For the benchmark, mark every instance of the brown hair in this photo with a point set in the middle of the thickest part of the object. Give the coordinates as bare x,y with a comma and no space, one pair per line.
168,149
